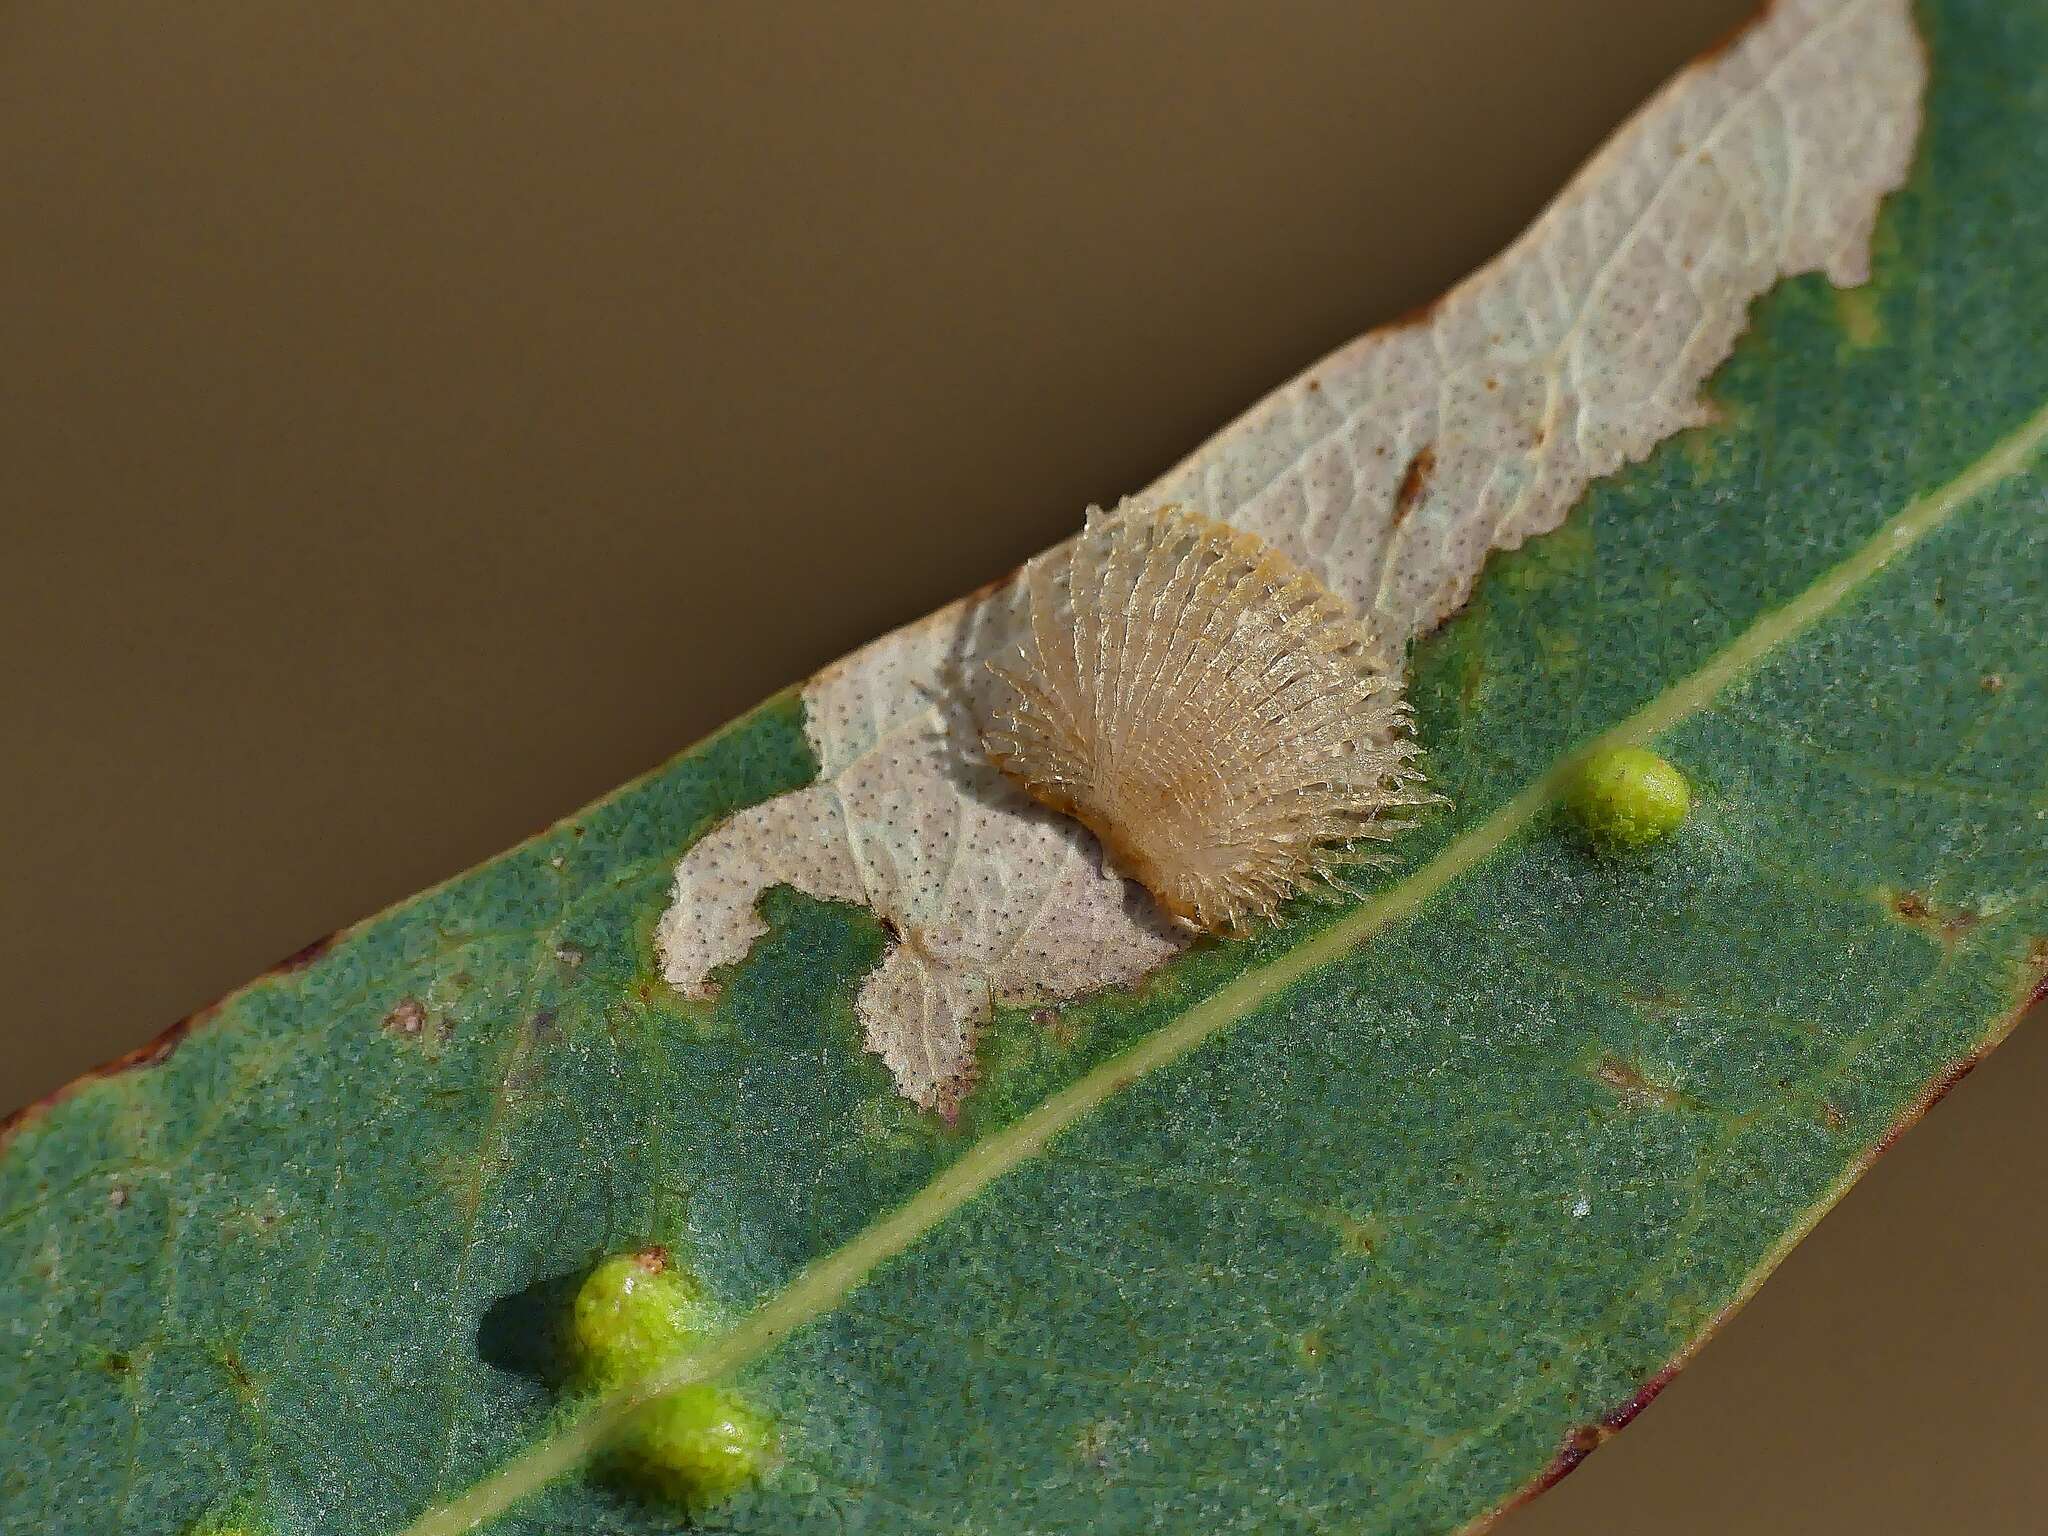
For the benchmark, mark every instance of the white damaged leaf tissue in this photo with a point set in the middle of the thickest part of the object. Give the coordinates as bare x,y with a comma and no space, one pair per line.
1389,471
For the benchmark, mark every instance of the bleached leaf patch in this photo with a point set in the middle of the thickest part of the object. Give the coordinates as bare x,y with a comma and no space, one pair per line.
1390,470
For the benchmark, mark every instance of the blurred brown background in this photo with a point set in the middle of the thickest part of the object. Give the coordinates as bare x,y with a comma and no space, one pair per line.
416,419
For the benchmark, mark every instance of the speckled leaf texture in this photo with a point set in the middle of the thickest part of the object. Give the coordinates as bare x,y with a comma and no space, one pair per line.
1371,1223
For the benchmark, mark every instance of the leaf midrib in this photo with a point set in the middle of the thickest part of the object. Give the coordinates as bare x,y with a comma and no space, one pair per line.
826,1281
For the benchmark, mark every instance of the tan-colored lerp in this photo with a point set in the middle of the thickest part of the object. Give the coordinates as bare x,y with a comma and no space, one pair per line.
1209,710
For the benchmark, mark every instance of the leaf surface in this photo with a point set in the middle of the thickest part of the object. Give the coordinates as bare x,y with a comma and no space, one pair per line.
1371,1222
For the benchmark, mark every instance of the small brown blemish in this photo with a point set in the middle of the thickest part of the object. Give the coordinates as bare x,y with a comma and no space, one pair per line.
1832,1117
117,1363
1094,1445
1946,926
1628,1081
1312,1347
408,1019
118,1196
1314,385
259,1218
1357,1235
1414,481
1991,682
1059,1029
238,1373
570,955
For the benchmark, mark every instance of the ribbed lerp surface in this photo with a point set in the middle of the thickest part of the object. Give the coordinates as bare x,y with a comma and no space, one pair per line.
1208,709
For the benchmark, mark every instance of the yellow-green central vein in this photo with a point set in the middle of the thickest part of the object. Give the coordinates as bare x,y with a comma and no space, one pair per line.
828,1280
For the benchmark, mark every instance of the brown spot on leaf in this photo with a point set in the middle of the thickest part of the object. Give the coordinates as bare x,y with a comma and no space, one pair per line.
1832,1117
409,1019
1095,1445
1414,481
1991,682
1059,1029
1627,1080
1944,925
237,1372
1357,1235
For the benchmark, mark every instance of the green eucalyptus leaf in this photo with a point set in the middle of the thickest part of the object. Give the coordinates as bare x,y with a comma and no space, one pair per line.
1373,1221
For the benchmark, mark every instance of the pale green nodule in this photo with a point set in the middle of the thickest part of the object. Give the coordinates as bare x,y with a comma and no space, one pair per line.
697,1447
632,1315
1627,797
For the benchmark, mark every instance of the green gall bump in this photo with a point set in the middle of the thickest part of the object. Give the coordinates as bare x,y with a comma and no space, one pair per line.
700,1444
634,1312
1627,797
696,1447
